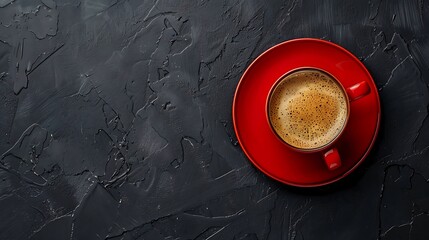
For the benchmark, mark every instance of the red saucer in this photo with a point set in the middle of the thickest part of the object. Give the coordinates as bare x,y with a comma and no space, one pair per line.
268,153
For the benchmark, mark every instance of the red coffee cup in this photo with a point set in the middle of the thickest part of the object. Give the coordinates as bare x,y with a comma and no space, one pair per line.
328,151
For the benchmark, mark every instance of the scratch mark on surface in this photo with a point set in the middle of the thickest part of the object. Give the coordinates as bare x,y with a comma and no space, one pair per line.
392,72
46,58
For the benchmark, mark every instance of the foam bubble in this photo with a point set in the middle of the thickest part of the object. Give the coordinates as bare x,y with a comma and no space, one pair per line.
308,109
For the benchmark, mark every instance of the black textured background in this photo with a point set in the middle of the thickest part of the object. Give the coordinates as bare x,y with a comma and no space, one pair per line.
115,120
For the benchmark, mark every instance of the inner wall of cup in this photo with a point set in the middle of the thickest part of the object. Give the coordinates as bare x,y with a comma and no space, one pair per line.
287,77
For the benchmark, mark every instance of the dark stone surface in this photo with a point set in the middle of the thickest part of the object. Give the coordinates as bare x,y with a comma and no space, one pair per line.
115,121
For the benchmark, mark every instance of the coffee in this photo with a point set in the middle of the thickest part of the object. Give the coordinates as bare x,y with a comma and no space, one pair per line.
308,109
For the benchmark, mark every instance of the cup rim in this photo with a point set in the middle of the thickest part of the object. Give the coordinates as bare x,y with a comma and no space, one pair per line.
267,108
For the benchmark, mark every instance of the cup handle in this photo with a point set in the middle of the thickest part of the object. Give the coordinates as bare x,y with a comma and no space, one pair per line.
332,159
358,90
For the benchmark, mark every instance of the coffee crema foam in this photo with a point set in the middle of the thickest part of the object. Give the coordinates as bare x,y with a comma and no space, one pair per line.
308,109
